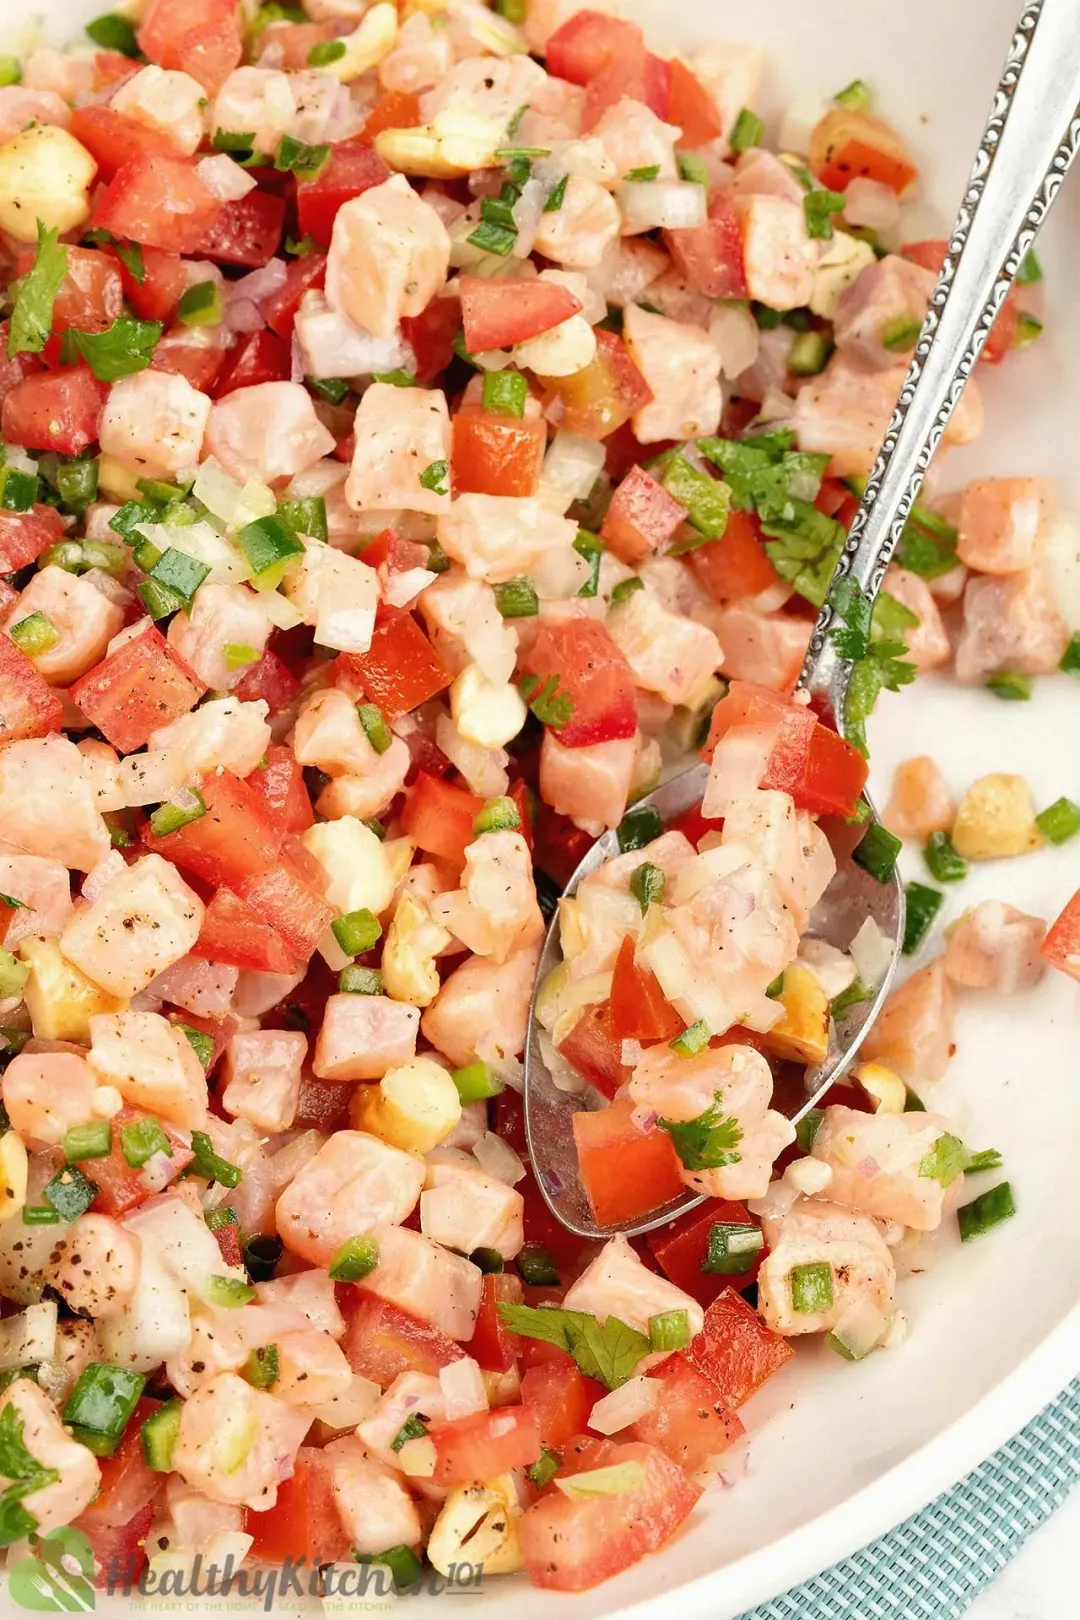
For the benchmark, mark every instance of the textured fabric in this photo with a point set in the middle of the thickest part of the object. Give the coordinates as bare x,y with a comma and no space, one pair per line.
935,1564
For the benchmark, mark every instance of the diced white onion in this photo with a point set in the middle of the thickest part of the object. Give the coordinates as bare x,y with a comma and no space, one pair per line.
280,611
735,332
497,1158
505,1067
738,765
871,203
405,586
219,493
355,1406
833,969
526,212
672,204
285,1165
871,951
631,1054
225,178
158,1171
484,769
28,1337
463,1388
560,573
624,1405
105,870
571,467
149,778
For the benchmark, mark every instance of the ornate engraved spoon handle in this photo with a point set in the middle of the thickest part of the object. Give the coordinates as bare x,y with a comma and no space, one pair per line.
1029,142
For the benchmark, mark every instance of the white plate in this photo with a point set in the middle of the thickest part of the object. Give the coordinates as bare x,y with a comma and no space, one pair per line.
842,1452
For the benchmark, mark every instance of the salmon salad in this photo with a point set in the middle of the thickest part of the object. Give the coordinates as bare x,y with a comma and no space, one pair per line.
423,428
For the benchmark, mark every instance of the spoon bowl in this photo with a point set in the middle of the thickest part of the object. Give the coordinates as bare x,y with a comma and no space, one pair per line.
852,896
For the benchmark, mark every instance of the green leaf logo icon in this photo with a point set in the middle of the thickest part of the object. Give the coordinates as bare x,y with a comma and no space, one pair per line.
58,1578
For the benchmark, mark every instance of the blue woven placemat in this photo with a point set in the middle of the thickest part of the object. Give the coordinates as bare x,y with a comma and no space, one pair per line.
935,1564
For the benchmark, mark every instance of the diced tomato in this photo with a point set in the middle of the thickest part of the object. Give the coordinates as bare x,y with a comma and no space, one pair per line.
261,357
440,816
25,535
929,253
639,1009
13,370
111,137
235,936
498,314
603,395
845,145
398,109
571,1545
560,845
641,76
682,1246
120,1187
228,1241
1002,336
220,1030
245,231
110,67
235,841
28,705
200,362
91,294
737,564
381,1342
160,201
201,37
279,310
485,1444
1061,947
164,282
284,899
710,257
353,168
588,41
287,44
642,517
735,1350
834,776
509,1119
58,410
688,1423
541,1226
691,107
625,1172
492,1346
594,674
400,670
562,1398
431,336
497,455
304,1523
590,1046
144,684
270,681
127,1482
397,556
119,1550
280,785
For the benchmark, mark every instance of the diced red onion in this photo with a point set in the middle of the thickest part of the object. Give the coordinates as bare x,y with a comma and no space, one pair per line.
643,1119
241,315
261,283
868,1168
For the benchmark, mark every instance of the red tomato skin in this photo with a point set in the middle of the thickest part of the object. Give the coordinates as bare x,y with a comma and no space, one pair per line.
13,370
681,1246
389,551
692,108
111,137
688,1423
234,842
641,76
202,38
28,705
710,257
245,232
25,535
498,314
440,816
846,144
381,1341
737,564
290,905
625,1172
823,773
834,777
165,280
270,680
1002,336
642,517
279,310
570,1546
304,1523
588,42
639,1009
280,785
431,336
486,1444
121,1188
353,168
735,1351
496,455
604,395
200,362
595,674
159,201
58,410
1061,947
492,1346
400,670
592,1048
235,936
91,294
398,109
562,1398
143,685
260,358
110,67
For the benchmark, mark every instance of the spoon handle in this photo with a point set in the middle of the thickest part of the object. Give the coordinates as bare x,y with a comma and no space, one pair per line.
1030,140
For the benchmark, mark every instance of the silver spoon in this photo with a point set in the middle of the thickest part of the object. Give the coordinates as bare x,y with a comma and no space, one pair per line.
1030,140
